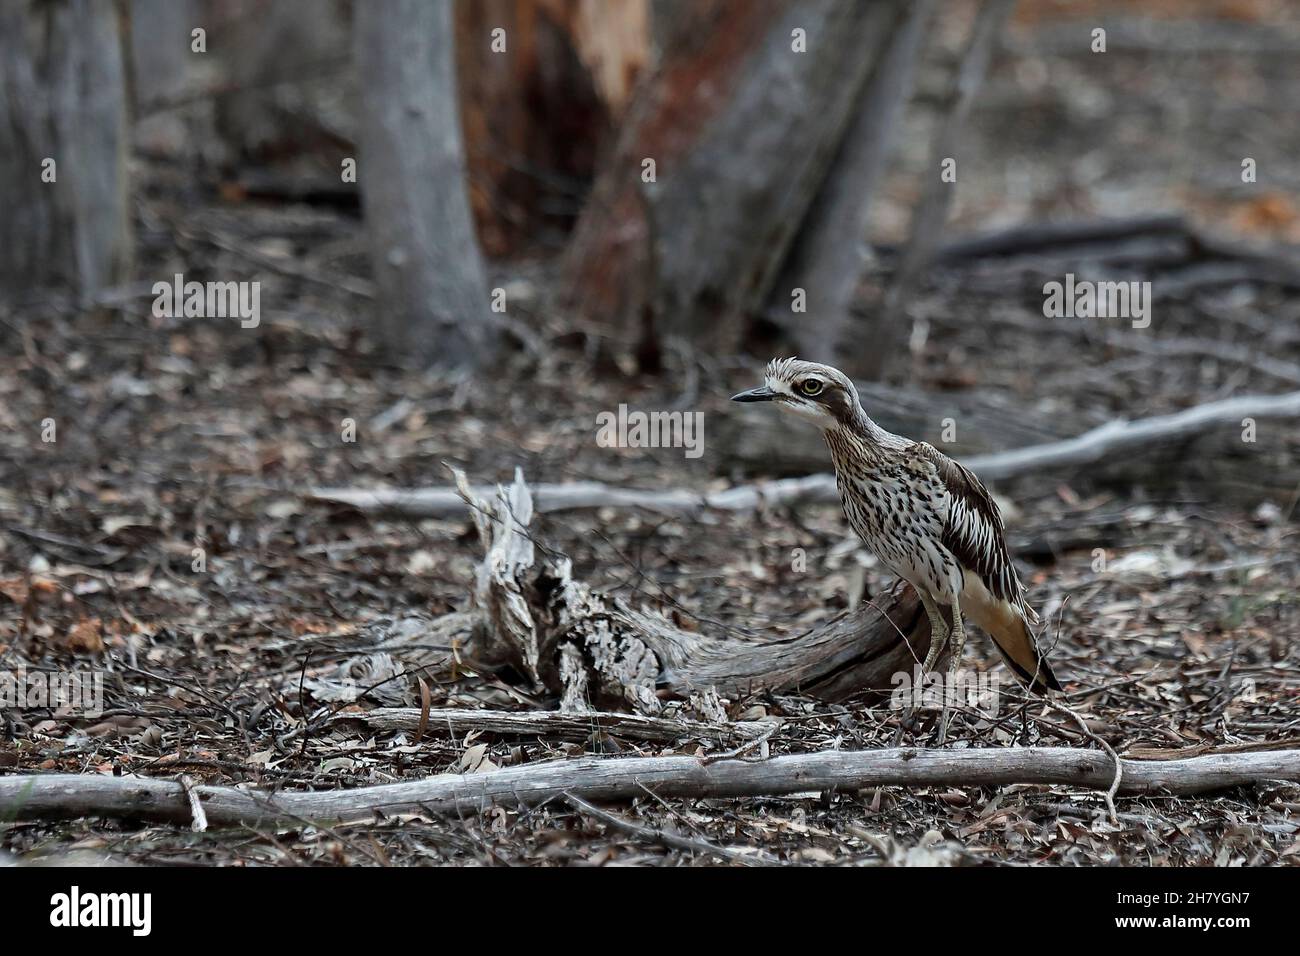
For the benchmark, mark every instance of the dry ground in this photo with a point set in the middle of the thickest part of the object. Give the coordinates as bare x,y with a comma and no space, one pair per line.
176,435
172,438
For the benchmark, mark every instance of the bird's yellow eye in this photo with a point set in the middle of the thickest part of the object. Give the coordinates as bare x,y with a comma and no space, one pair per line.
811,386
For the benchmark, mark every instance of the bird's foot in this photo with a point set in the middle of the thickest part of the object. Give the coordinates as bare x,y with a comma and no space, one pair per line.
906,724
941,735
913,724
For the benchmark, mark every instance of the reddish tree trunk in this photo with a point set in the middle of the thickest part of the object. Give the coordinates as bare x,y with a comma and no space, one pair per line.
742,127
537,114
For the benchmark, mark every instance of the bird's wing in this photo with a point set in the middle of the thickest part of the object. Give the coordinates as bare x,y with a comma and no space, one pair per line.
974,532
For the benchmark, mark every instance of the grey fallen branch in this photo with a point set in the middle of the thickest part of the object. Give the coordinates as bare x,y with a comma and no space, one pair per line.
66,796
553,725
1033,238
1095,445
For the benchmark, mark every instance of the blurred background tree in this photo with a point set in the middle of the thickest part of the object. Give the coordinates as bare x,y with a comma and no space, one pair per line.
432,291
64,136
707,174
744,118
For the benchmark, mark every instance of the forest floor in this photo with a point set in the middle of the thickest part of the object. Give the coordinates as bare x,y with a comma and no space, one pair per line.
175,435
1169,581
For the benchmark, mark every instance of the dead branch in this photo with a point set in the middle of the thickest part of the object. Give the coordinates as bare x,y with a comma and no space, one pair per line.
1106,440
442,502
1095,445
66,796
1039,236
456,722
596,650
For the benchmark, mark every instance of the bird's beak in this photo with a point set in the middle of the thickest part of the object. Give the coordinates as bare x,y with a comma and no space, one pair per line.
760,394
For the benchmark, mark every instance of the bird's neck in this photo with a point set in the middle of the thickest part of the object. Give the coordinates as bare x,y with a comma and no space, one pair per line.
859,424
858,438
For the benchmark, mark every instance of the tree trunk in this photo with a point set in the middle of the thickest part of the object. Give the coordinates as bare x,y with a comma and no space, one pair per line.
270,57
826,262
163,73
931,213
63,147
742,128
537,114
160,49
428,268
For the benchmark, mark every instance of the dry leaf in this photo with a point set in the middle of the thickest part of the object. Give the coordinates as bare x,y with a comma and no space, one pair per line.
85,637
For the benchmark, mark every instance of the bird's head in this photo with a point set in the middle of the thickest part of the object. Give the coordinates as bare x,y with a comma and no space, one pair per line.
823,395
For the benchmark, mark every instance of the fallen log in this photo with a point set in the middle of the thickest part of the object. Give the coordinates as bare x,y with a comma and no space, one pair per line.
594,650
65,796
1093,446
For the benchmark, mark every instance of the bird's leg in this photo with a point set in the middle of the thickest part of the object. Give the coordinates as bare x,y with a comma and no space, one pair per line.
958,639
938,638
954,665
938,632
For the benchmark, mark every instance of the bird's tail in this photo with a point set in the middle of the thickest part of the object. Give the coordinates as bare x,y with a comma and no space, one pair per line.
1009,627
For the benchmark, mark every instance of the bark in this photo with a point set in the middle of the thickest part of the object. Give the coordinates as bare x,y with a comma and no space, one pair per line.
65,796
428,268
742,130
826,262
536,115
1099,445
63,97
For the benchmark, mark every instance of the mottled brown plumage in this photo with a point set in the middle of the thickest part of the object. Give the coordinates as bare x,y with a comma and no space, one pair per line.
928,518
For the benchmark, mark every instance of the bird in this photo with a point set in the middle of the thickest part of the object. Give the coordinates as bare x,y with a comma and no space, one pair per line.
927,518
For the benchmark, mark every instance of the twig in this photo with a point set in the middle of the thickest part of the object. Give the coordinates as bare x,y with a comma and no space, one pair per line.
745,747
302,701
653,835
1119,764
200,819
550,724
